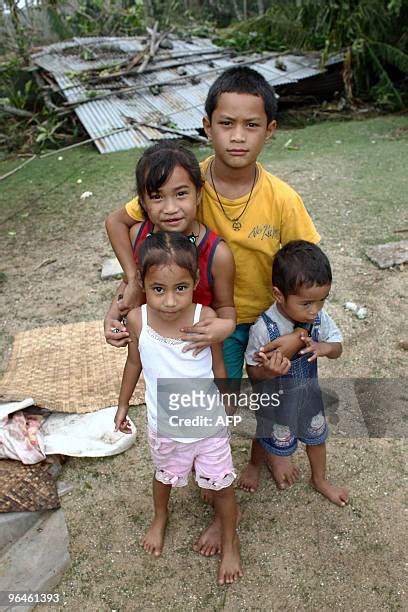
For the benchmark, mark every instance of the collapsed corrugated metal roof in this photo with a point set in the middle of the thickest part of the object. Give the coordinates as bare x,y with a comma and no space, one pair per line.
127,92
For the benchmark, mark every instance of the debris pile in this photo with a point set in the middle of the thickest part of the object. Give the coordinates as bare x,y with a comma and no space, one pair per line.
128,92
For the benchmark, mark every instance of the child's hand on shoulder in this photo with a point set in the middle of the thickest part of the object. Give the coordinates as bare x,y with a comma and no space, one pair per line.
207,332
275,364
122,422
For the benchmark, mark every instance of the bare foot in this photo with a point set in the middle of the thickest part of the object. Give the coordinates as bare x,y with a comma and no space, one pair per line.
154,538
337,495
209,542
230,567
207,496
249,479
283,471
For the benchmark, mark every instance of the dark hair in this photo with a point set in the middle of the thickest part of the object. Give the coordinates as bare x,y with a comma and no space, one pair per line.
165,248
243,80
300,263
157,164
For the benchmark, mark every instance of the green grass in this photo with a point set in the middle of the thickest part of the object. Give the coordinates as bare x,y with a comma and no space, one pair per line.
48,187
361,168
375,149
323,138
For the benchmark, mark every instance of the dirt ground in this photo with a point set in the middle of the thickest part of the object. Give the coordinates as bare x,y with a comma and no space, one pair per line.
298,550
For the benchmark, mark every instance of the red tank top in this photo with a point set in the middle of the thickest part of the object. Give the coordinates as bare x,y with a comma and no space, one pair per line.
203,294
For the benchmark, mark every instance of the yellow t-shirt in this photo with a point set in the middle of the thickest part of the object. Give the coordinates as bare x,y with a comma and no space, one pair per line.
274,216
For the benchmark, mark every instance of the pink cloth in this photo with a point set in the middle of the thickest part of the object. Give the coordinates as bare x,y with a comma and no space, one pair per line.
19,437
210,457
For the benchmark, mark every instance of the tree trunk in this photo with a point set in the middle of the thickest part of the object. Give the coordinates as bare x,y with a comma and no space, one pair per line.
348,74
148,10
21,39
236,10
261,7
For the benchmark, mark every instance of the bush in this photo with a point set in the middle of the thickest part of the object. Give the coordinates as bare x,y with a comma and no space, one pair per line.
372,30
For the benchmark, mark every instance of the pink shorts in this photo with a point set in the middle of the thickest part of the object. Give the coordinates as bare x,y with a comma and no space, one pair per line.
211,458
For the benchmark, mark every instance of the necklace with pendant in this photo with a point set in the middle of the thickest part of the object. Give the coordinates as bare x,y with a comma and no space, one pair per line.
193,237
236,224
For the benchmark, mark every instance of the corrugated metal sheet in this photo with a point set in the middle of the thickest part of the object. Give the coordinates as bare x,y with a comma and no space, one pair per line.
163,94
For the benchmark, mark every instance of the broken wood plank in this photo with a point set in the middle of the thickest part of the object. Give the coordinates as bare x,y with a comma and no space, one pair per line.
27,161
163,128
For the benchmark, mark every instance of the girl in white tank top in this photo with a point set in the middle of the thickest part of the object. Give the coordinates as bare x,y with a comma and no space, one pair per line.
169,272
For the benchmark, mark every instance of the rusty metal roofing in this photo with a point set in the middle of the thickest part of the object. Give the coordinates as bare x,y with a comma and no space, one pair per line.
119,112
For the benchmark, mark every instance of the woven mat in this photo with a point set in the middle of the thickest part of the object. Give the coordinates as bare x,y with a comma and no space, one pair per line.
67,368
26,488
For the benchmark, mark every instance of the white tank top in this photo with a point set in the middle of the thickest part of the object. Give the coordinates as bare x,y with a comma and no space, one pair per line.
163,358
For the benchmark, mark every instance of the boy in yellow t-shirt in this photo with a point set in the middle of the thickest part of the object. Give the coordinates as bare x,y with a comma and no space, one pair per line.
253,210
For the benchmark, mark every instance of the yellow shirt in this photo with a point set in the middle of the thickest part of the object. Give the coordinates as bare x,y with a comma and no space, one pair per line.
274,216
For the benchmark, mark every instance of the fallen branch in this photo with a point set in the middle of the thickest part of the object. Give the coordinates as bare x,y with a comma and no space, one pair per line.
126,67
46,262
45,89
79,144
173,81
86,48
129,71
153,48
18,112
27,161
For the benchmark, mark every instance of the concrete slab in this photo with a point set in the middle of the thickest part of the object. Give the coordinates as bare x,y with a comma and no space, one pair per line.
13,525
111,268
37,560
389,254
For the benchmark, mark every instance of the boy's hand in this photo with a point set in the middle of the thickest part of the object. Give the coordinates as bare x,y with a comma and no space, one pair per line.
122,422
204,333
129,298
275,365
116,333
318,349
288,345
